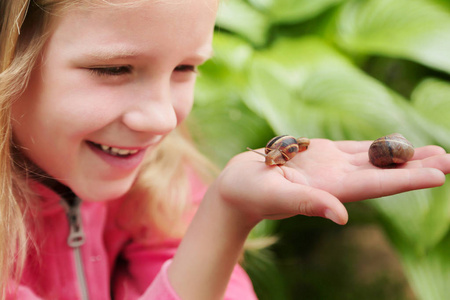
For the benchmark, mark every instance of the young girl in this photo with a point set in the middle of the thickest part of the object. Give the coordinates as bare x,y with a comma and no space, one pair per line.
96,181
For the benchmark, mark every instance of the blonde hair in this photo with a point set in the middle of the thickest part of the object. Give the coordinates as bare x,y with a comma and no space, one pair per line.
163,182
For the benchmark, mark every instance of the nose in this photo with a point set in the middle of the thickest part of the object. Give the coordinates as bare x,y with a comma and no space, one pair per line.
152,112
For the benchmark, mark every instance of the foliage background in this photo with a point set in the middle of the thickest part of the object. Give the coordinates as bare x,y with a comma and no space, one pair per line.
337,69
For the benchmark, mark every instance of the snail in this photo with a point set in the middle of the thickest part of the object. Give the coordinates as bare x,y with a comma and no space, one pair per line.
282,148
390,150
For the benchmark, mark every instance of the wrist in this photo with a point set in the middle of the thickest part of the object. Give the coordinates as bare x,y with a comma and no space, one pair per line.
212,247
237,214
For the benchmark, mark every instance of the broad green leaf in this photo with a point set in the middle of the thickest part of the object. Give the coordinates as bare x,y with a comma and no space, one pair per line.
221,124
225,128
445,4
225,74
432,99
420,218
412,29
418,225
267,279
304,87
286,11
429,274
239,17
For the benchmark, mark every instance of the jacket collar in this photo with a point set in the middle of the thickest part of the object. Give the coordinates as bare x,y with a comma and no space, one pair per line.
51,195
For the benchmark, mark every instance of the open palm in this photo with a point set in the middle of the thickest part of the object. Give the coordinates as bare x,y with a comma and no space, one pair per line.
317,181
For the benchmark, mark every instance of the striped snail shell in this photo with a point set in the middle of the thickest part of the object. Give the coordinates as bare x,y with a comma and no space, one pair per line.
282,148
390,150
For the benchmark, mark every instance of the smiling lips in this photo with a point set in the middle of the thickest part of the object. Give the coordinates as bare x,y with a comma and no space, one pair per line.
120,159
115,151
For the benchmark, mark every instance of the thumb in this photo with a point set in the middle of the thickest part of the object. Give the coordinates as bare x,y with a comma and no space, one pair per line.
297,199
316,202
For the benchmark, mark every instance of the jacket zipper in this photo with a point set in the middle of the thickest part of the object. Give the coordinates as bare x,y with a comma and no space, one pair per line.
76,239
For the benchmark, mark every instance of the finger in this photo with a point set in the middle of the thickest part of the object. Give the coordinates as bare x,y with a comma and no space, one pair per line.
270,195
427,151
295,199
353,147
439,162
373,183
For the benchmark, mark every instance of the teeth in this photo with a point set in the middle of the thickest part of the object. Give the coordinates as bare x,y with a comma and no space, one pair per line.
114,150
117,151
126,152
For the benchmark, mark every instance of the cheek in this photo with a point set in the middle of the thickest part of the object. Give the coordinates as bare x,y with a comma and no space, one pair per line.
59,106
82,111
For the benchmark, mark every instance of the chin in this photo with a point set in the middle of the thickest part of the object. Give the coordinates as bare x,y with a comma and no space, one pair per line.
102,197
105,192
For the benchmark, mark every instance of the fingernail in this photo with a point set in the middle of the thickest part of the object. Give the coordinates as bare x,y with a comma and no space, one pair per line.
329,214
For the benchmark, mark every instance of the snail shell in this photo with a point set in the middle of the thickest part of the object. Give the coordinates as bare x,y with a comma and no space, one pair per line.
389,150
282,148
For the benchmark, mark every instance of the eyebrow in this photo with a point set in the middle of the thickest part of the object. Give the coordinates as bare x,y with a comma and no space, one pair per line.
117,53
111,54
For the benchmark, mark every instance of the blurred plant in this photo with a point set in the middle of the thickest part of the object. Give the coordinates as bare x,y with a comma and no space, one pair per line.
338,69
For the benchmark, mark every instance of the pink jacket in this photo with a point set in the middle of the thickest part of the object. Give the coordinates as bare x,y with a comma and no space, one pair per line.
107,263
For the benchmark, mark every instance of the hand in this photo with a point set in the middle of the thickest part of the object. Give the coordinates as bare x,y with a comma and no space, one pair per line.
317,181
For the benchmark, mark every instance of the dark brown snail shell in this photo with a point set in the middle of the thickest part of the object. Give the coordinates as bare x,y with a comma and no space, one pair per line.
282,148
390,150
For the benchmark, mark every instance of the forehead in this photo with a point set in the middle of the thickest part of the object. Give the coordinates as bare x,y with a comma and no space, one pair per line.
137,24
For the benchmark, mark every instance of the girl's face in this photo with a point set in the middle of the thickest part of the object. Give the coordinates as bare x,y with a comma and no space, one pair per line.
111,84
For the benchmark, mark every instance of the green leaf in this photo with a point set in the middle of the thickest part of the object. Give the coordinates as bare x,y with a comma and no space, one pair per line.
432,99
239,17
429,273
224,128
445,4
304,87
287,11
267,279
413,29
225,75
420,218
220,123
418,225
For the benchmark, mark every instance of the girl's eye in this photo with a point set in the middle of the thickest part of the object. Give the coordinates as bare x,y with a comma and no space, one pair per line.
111,71
186,68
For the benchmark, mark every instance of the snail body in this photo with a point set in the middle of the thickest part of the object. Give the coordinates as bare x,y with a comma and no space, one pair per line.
281,149
390,150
